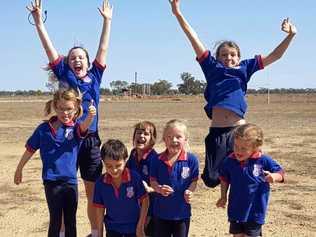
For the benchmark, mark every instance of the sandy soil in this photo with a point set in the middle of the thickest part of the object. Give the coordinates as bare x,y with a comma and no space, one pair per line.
289,123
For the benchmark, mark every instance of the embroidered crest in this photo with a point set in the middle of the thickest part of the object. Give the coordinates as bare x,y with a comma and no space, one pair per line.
257,170
145,170
185,172
69,133
87,79
129,192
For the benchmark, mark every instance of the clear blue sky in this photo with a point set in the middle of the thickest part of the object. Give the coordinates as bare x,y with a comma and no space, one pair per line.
146,38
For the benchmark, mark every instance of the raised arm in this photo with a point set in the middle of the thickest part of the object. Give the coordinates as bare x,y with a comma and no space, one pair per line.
87,122
36,10
106,12
277,53
196,43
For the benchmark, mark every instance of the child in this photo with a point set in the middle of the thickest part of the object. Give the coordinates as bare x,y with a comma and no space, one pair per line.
143,153
247,173
74,71
58,140
119,193
227,79
174,178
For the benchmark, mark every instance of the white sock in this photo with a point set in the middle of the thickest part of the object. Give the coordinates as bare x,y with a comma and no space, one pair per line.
94,233
62,234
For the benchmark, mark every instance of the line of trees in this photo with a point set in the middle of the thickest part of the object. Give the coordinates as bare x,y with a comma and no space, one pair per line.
189,86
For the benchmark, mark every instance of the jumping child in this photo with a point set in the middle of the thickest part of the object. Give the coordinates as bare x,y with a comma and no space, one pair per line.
227,79
141,156
58,140
120,193
174,178
247,172
74,71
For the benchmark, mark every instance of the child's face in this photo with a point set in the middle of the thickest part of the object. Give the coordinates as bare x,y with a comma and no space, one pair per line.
114,168
175,140
66,110
142,139
228,56
243,149
78,62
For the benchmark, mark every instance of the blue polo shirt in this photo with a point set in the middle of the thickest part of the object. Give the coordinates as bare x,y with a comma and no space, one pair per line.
142,166
249,192
58,150
89,86
226,87
179,176
123,204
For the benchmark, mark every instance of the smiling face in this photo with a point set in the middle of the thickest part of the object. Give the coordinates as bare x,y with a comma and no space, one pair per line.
175,140
78,61
228,56
66,110
142,139
114,168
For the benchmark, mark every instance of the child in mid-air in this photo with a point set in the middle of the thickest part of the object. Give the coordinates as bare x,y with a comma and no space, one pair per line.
247,173
174,178
120,195
73,71
141,156
58,141
227,77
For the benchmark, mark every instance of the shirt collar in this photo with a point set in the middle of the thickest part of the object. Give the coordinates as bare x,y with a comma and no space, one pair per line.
145,155
126,177
164,157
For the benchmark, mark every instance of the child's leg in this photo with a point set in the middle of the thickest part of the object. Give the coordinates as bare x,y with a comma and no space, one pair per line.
53,193
70,209
89,160
163,228
181,228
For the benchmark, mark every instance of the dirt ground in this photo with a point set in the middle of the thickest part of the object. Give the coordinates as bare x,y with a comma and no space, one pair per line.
288,121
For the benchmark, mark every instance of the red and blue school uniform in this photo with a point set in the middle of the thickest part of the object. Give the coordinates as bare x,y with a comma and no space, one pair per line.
122,204
58,151
89,159
226,88
248,192
179,176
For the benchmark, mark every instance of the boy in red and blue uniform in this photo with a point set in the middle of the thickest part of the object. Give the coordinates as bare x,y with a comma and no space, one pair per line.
248,174
121,194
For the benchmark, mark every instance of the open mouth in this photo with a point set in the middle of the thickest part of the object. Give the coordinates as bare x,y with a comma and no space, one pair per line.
78,69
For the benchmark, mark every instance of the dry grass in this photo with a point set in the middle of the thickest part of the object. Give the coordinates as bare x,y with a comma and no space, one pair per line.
289,123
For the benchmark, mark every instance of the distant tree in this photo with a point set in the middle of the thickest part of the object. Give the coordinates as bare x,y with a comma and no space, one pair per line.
190,85
162,87
136,89
105,91
118,86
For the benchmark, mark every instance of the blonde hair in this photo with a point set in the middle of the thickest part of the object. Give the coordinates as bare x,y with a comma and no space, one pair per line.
250,133
143,125
179,124
64,94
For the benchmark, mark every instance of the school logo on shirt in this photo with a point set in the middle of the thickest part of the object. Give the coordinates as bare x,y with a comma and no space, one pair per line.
257,170
185,172
87,79
145,170
69,133
129,192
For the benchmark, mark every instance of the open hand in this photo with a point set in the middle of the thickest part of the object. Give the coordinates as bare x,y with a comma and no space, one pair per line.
106,10
36,9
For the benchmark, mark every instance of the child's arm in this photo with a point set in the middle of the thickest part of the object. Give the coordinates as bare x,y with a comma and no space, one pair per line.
221,202
99,214
18,172
188,194
142,217
273,177
164,190
36,11
87,122
277,53
106,13
147,187
187,29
